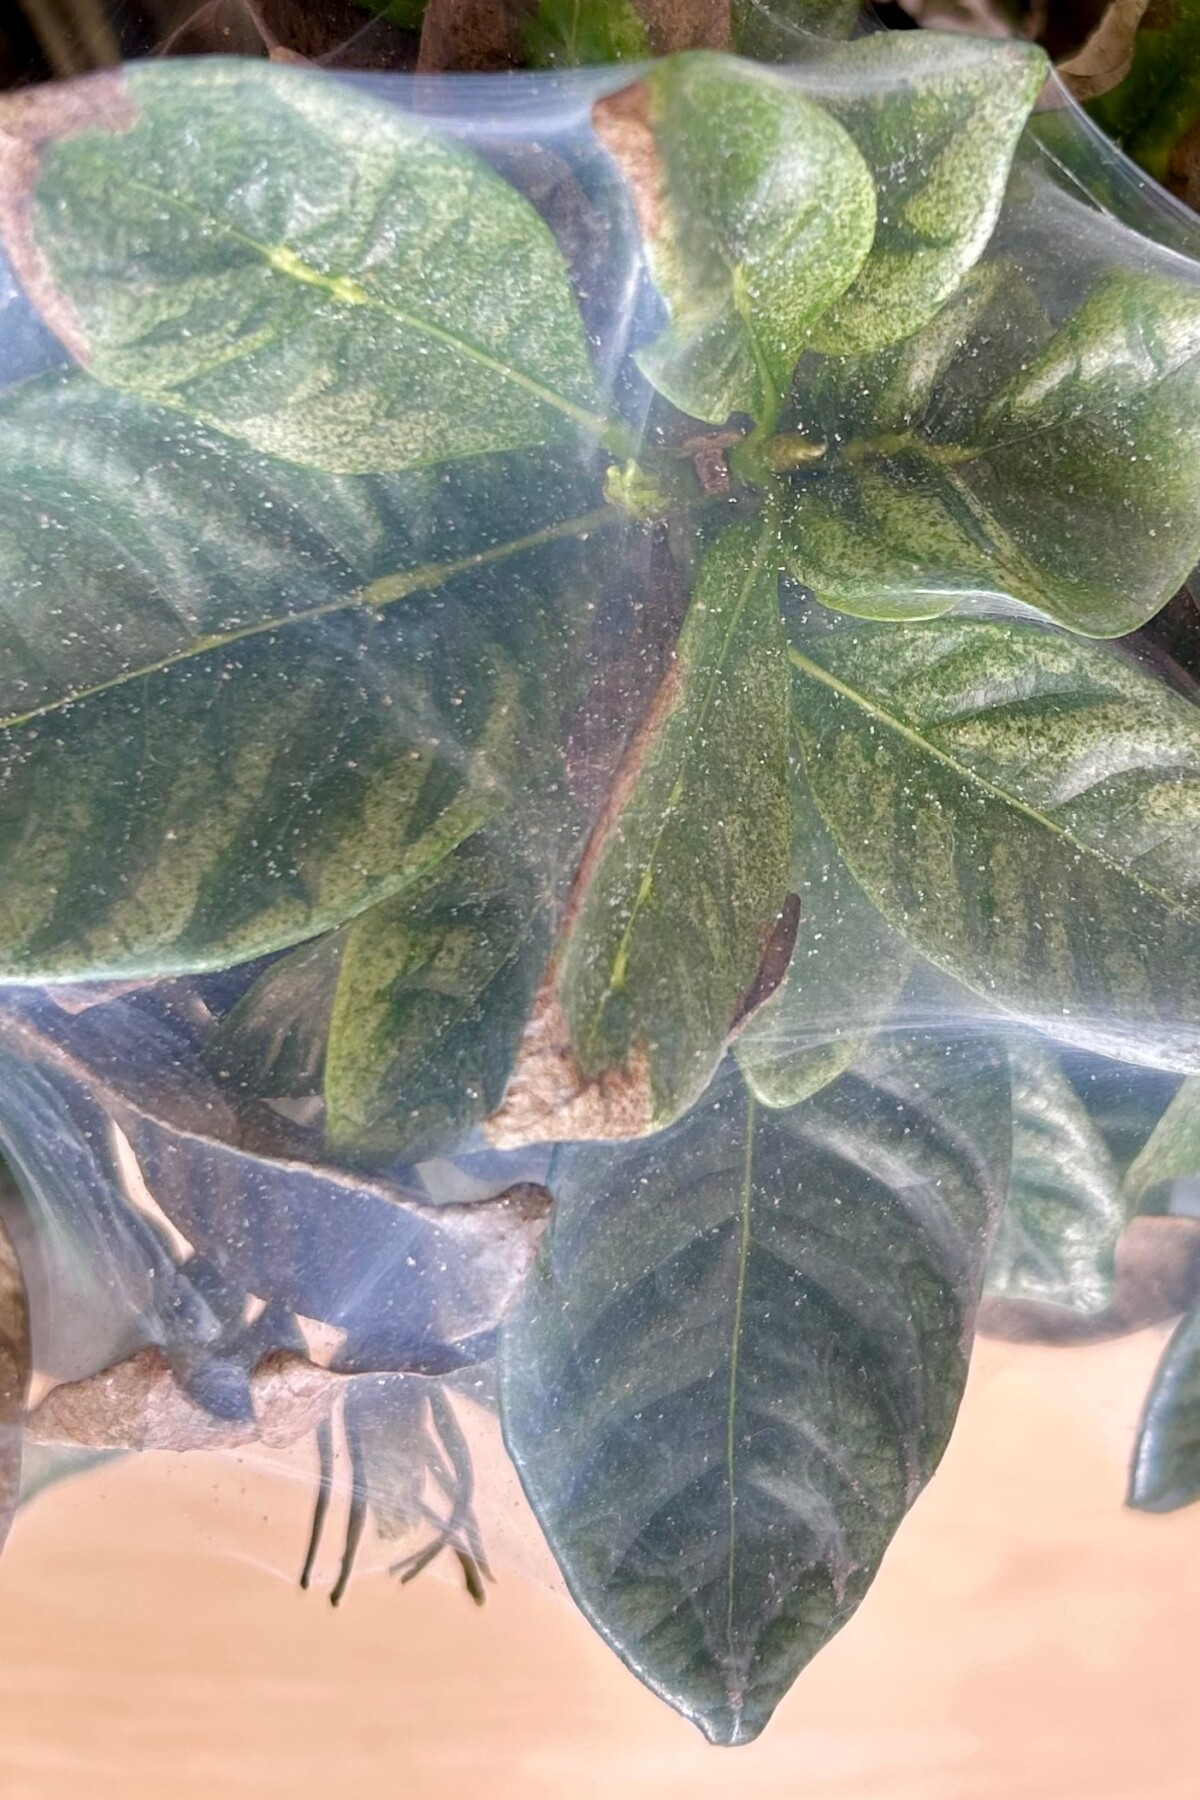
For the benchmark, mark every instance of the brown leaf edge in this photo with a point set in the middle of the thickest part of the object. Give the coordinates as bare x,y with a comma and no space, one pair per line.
549,1098
28,121
1106,57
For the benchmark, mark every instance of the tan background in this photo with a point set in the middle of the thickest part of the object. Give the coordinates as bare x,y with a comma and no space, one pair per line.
1027,1638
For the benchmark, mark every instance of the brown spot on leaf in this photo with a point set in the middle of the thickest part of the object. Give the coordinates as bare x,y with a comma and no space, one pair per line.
622,123
29,120
549,1098
548,1095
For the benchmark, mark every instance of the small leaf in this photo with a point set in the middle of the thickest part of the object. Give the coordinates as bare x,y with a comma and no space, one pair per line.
756,212
846,971
1058,1235
739,1357
1023,807
1059,467
1165,1472
675,900
433,991
318,274
937,118
1172,1150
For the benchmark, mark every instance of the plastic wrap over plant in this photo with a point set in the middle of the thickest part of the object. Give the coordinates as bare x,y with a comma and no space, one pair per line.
599,794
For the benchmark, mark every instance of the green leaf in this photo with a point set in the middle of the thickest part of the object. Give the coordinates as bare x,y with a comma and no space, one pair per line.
131,539
1123,1101
1165,1472
675,902
239,701
756,212
433,990
1151,112
994,454
317,273
937,118
846,971
569,34
1023,806
739,1357
408,14
1172,1150
249,798
1058,1235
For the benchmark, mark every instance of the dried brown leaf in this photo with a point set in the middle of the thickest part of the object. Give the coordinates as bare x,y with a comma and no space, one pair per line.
1107,55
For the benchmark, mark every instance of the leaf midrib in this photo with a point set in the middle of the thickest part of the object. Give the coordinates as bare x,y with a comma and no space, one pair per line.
1171,902
384,591
337,287
620,960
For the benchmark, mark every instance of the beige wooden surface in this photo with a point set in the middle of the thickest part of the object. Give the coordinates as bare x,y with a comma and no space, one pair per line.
1027,1638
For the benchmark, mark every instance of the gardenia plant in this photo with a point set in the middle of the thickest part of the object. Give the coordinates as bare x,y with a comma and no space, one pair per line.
604,704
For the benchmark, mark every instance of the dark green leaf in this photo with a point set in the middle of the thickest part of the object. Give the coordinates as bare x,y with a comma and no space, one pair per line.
739,1357
131,539
433,991
846,971
1023,806
247,799
937,118
1057,1238
317,273
1172,1150
1165,1472
675,901
756,212
569,34
994,454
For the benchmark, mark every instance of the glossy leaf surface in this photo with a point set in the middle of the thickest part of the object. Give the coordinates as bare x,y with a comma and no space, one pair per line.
317,273
739,1358
1058,1234
847,968
998,454
1023,807
937,118
681,884
747,248
131,539
1165,1472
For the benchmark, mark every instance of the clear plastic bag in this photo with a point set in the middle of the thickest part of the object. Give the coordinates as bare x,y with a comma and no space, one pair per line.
597,793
